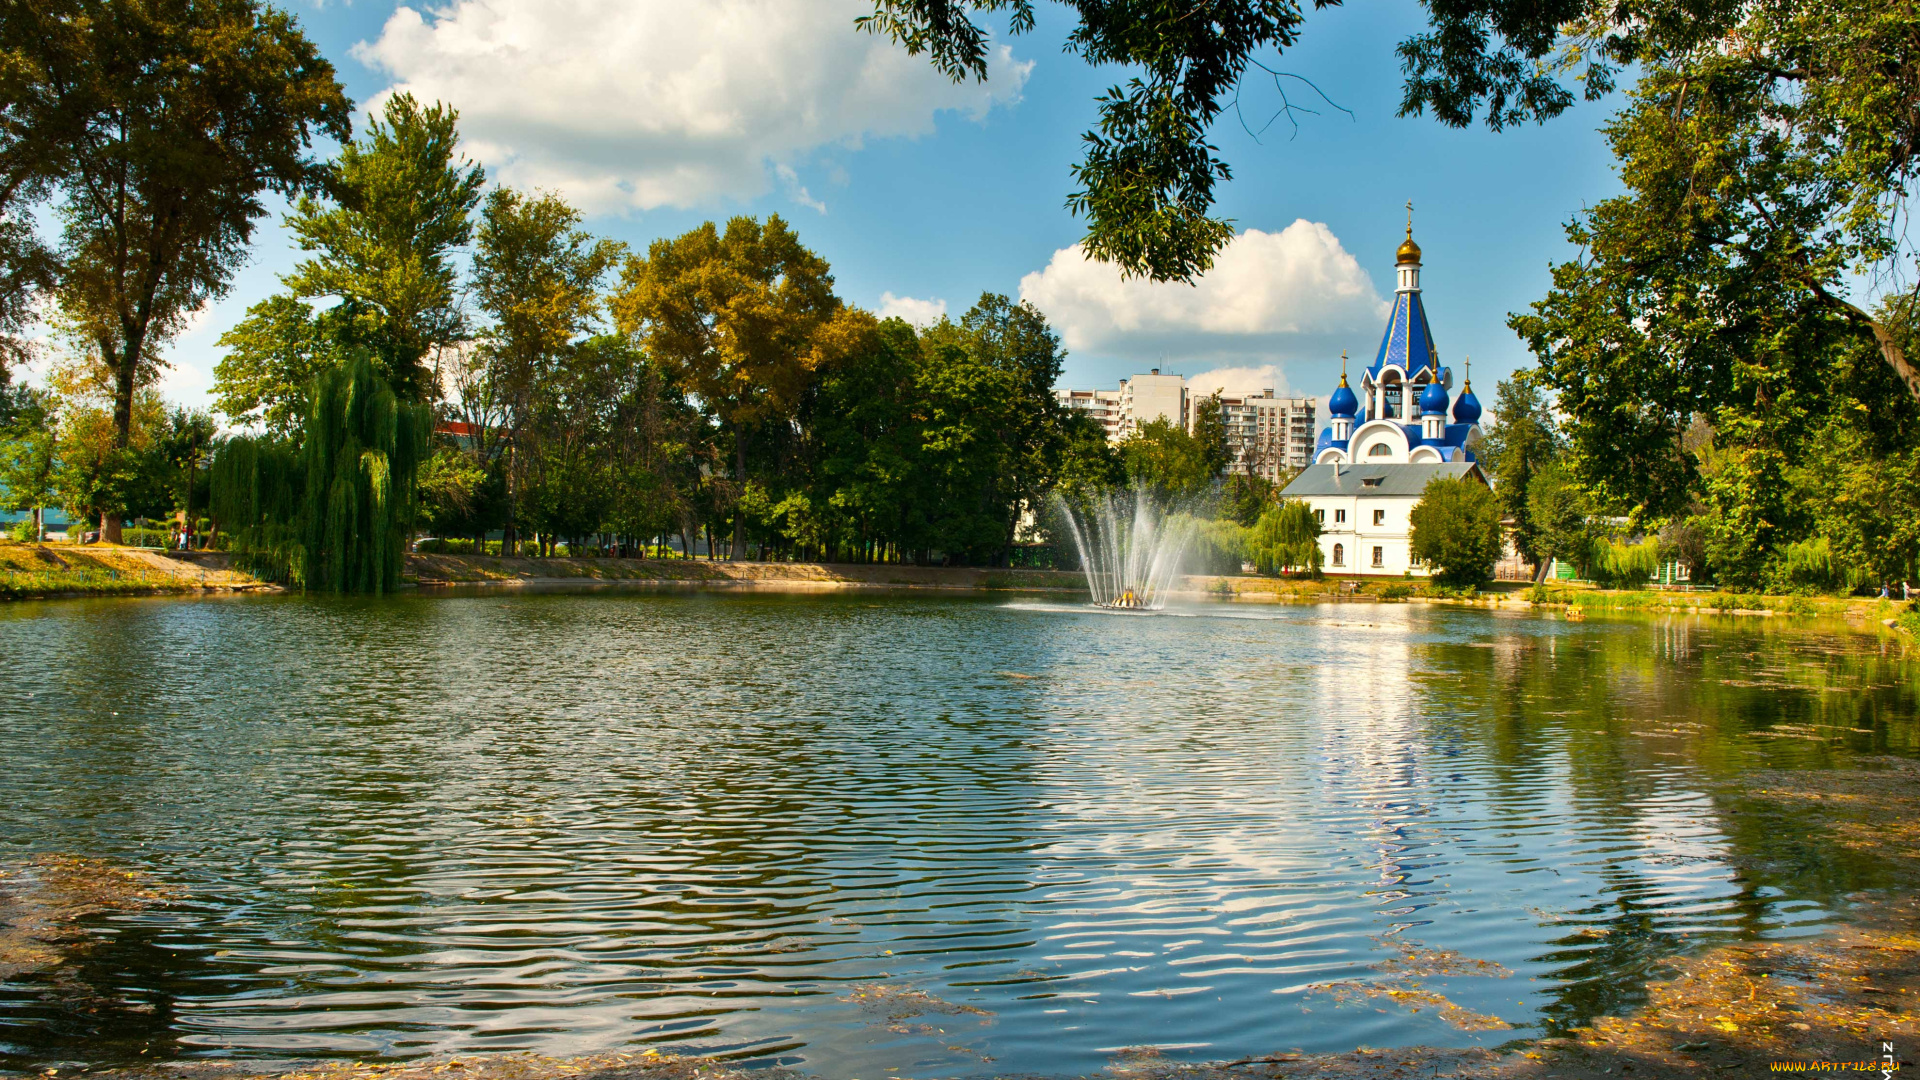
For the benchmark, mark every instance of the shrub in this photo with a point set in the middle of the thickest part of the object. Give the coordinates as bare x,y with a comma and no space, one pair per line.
147,538
1456,530
1396,592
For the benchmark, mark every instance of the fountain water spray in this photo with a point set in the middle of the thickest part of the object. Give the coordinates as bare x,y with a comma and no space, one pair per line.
1130,549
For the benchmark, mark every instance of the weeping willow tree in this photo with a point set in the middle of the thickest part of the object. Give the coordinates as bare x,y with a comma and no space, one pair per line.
331,513
1286,538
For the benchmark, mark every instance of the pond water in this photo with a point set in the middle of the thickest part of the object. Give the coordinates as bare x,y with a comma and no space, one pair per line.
872,835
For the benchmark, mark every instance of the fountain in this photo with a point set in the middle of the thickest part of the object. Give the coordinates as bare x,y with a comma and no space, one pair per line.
1130,549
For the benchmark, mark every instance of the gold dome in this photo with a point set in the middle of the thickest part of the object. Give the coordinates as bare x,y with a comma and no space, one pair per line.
1409,251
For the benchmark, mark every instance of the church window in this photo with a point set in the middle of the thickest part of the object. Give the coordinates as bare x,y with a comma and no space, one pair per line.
1379,449
1379,556
1339,516
1379,517
1339,554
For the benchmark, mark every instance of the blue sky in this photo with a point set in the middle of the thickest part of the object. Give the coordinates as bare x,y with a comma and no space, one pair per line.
656,116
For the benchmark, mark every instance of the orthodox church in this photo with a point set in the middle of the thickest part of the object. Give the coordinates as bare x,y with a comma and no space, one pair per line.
1383,444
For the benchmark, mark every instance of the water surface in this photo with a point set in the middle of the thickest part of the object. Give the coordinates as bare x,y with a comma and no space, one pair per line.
867,835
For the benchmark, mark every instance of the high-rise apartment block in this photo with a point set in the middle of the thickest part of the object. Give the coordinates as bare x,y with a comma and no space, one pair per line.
1140,400
1266,435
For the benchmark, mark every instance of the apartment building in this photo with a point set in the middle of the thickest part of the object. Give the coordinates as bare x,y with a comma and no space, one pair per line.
1102,405
1268,436
1150,397
1139,400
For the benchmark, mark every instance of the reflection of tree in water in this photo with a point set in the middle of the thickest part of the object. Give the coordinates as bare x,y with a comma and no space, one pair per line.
67,963
1638,719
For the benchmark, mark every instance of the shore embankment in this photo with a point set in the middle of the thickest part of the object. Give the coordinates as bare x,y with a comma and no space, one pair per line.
441,570
64,570
48,571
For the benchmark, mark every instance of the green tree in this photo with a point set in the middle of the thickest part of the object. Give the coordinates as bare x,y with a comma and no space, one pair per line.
1163,458
383,244
1455,528
1560,518
538,274
30,459
1246,497
733,317
273,356
1210,432
335,512
184,449
1286,538
178,116
1519,443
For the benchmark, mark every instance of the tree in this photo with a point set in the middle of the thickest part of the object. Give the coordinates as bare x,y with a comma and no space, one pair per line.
537,273
1210,433
1519,443
1455,528
1164,458
334,513
1286,537
178,116
30,459
383,243
1147,180
273,356
1246,497
185,445
1558,511
733,317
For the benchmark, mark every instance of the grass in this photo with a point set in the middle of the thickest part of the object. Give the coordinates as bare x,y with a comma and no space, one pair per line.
1595,599
29,570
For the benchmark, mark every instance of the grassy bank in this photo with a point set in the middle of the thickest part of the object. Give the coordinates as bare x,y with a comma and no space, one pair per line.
1587,598
47,570
434,570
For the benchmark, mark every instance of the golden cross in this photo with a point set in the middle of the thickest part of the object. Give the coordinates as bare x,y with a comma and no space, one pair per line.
1409,217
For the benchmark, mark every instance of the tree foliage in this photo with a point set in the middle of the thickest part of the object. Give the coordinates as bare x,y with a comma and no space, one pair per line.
382,243
1146,182
172,118
1523,439
333,513
1455,528
1286,538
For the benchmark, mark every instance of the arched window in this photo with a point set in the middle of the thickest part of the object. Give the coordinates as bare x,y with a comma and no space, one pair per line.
1339,554
1379,449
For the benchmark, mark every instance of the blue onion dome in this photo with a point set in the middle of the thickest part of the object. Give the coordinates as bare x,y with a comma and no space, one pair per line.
1467,409
1343,403
1433,400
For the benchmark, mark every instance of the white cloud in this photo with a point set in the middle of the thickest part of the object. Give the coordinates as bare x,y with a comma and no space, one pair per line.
921,313
1291,293
634,104
1241,380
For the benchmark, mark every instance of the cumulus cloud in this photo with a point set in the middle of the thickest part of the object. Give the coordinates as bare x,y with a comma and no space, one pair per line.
634,104
1290,293
1241,380
921,313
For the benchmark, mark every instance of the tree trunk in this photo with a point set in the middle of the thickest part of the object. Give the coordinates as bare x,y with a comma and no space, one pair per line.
740,476
1890,350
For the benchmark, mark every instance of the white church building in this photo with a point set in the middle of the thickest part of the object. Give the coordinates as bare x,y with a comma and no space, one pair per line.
1382,445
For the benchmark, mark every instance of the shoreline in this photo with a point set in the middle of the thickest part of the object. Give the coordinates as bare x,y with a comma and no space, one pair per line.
51,572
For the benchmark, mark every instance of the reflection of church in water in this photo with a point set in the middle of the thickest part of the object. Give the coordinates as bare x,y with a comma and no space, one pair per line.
1382,445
